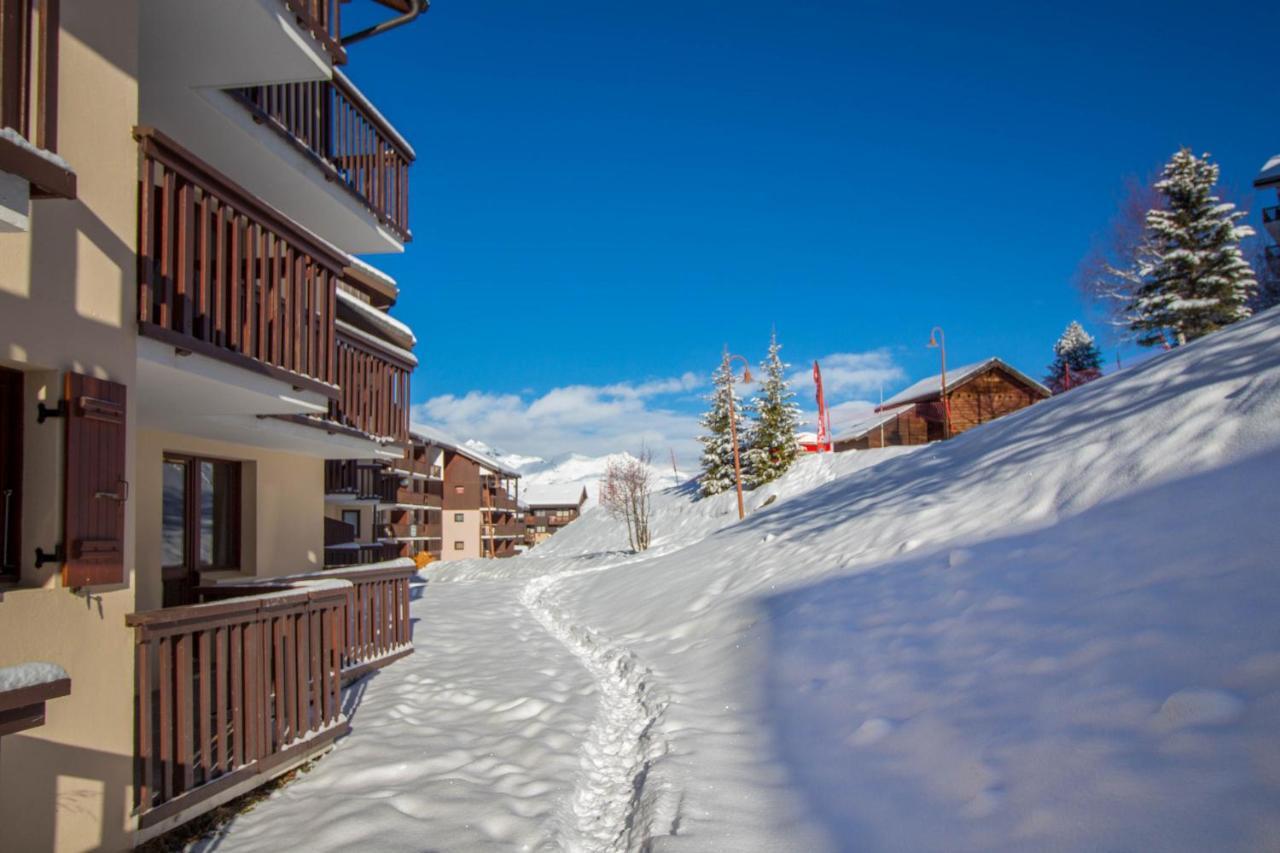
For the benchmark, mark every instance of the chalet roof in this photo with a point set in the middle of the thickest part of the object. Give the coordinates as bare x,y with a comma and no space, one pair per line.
1270,174
554,494
866,425
931,387
430,435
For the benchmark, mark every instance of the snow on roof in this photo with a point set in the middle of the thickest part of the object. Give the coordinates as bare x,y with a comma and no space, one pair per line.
866,425
553,494
381,320
932,386
365,266
1270,174
430,435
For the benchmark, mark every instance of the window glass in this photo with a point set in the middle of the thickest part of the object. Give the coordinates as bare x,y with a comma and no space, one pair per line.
457,516
458,546
173,535
217,515
352,517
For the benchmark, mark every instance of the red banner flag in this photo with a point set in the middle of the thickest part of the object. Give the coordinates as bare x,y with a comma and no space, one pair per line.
824,424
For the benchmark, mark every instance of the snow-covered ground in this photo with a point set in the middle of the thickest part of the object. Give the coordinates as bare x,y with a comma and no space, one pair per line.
1057,631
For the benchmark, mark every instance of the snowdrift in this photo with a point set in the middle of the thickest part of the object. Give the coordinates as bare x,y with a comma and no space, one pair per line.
1057,630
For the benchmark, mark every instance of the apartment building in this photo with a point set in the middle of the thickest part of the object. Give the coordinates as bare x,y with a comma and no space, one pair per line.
549,508
1269,179
481,515
185,339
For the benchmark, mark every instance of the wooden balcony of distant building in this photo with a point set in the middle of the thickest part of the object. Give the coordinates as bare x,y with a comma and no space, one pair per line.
360,479
1271,221
432,496
410,531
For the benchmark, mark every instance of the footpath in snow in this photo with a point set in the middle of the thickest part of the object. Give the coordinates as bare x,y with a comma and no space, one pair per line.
1057,631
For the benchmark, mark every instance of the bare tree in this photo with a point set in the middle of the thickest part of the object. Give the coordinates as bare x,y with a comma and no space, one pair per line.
1107,276
624,494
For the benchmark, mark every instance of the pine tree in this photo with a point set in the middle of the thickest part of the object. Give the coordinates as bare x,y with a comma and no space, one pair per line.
1077,360
717,443
771,447
1191,276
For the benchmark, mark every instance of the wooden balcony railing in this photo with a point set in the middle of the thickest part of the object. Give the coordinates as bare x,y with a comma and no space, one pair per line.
222,274
374,389
336,126
411,466
432,496
510,528
231,690
501,501
29,95
359,554
247,684
426,530
322,19
361,480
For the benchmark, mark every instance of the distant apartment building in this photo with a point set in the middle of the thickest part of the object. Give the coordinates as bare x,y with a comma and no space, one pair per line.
185,339
975,394
549,508
1269,178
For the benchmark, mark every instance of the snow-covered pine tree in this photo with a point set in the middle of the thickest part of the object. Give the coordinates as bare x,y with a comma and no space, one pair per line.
1192,276
1077,360
772,444
717,444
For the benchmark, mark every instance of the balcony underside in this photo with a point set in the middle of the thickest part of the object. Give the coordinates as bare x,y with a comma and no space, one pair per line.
196,395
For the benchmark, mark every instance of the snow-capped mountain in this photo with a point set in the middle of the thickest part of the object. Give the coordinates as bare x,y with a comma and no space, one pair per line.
570,468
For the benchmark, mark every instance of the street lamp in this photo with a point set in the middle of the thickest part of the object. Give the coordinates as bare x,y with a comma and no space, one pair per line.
938,341
733,422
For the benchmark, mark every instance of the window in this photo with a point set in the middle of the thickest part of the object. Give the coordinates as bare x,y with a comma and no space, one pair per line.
458,545
10,473
459,490
457,516
200,529
352,517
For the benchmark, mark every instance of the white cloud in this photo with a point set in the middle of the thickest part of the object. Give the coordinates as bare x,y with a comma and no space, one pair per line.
852,373
592,420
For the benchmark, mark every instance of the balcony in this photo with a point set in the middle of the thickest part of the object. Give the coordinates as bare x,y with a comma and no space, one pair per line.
359,554
1271,221
374,387
432,497
410,531
345,136
223,275
359,480
239,689
505,530
29,106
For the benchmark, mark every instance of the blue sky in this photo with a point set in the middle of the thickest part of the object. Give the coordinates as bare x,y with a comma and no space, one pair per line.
607,193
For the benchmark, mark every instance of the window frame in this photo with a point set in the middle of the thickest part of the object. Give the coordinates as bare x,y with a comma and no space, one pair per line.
191,514
459,545
356,527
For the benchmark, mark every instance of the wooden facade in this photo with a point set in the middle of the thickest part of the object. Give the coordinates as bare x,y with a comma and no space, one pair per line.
980,397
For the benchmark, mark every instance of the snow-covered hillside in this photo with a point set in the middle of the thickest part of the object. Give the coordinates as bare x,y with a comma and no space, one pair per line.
1057,631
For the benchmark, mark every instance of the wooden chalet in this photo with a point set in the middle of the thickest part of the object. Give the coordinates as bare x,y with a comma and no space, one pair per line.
977,393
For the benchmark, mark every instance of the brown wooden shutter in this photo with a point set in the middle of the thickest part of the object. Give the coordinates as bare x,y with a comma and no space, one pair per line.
95,488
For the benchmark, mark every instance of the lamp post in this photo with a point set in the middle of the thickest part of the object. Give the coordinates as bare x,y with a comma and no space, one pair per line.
733,423
938,341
